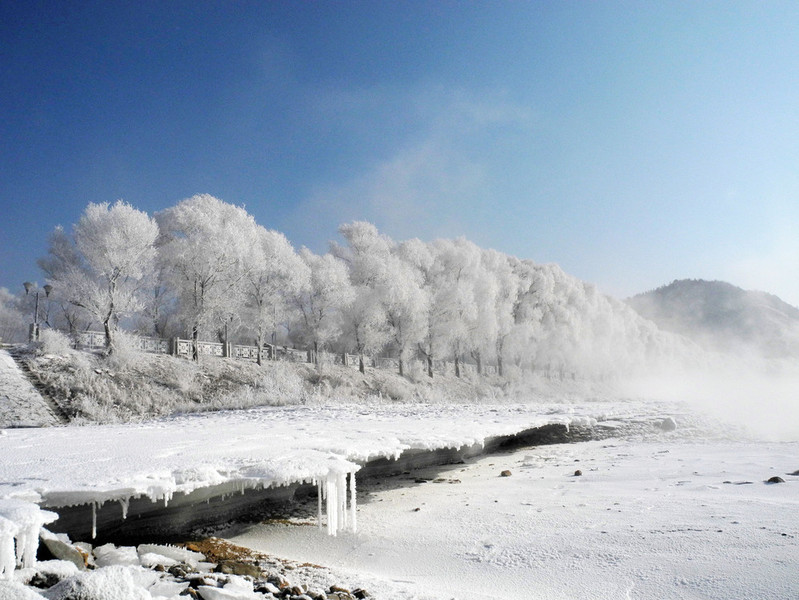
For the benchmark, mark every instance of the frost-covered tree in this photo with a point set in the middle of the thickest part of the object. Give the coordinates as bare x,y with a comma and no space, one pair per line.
12,319
321,300
367,255
103,266
506,286
405,305
202,249
421,257
459,265
274,275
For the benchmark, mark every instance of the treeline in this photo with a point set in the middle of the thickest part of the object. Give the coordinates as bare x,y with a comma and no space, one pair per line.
204,268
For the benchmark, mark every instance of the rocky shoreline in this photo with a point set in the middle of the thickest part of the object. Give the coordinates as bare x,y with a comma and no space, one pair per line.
208,569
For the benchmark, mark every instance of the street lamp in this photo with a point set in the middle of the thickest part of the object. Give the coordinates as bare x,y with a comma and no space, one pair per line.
33,331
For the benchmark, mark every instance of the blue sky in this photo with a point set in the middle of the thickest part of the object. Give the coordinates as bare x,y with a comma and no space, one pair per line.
633,143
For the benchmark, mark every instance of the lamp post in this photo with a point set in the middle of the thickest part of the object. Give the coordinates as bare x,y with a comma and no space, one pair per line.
33,331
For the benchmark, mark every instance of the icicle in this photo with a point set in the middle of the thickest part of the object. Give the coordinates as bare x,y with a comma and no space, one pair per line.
319,504
94,520
332,504
353,504
341,496
8,560
125,504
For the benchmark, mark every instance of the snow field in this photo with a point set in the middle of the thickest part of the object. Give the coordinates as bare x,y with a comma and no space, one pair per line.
645,520
264,447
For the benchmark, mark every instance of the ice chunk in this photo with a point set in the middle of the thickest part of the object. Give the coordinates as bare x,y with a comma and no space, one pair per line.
13,590
167,589
110,583
59,568
151,559
109,554
175,553
213,593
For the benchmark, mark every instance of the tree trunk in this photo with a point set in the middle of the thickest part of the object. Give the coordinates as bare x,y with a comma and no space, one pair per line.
195,342
430,366
457,366
361,365
401,369
500,370
109,342
316,356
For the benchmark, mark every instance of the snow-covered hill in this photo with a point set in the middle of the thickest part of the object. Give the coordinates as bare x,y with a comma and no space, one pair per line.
721,316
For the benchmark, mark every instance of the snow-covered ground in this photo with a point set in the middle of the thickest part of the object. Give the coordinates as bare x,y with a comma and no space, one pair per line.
665,518
68,465
670,514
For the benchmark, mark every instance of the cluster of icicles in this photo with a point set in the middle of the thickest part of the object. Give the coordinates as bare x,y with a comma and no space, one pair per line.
332,492
20,521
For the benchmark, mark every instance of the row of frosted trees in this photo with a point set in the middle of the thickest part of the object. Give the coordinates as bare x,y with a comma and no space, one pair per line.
204,267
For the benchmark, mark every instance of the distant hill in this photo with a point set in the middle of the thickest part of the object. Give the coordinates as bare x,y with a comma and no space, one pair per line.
721,316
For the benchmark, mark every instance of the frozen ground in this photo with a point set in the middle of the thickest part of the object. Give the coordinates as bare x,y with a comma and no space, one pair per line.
20,404
667,518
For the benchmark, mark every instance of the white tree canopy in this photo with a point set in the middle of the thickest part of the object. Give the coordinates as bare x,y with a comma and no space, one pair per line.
105,263
202,250
320,301
274,274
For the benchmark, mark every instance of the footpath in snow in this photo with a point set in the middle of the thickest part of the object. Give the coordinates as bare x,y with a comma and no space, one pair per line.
20,404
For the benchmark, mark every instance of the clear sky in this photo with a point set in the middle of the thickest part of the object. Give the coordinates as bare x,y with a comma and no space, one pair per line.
633,143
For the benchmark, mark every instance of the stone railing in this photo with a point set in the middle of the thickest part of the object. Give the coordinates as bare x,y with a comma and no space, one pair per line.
94,340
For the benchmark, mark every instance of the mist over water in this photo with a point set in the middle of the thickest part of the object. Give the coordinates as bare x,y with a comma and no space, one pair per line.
754,402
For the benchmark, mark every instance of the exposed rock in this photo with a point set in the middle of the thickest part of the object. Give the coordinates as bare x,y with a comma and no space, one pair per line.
181,571
505,473
360,593
578,473
61,548
44,581
775,479
235,567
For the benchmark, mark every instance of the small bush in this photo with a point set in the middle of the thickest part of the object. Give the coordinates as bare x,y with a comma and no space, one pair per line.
53,341
126,350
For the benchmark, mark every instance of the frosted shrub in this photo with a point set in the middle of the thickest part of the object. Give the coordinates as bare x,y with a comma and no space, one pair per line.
126,350
55,342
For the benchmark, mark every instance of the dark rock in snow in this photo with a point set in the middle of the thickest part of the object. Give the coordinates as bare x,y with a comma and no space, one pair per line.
578,473
505,473
775,479
360,594
794,474
180,571
234,567
44,580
